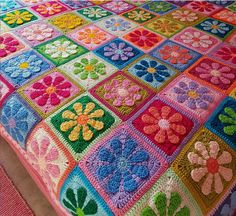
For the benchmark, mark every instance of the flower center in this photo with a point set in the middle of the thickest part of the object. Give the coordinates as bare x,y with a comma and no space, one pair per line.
212,165
215,73
122,92
79,212
24,65
89,68
82,119
91,35
122,163
117,24
42,163
174,54
50,89
12,123
61,49
37,32
151,70
193,94
119,51
2,46
215,26
164,124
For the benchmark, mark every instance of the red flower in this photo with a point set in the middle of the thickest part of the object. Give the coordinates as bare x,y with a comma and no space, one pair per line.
52,89
143,38
7,45
175,54
202,6
227,54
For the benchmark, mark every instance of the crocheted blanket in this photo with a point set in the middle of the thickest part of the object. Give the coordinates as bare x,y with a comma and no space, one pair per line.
123,107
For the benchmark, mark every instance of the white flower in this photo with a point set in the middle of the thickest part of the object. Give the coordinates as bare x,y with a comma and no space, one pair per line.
228,15
37,32
214,26
60,49
184,16
94,12
196,39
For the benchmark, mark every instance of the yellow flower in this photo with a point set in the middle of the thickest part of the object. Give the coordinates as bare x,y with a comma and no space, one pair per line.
82,120
17,17
68,21
139,15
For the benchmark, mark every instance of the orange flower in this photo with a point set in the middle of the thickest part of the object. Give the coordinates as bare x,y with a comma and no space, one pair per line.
164,125
90,35
49,8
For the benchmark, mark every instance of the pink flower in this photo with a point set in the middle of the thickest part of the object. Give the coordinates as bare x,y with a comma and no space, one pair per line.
122,93
215,73
227,54
51,90
117,6
210,164
184,16
7,45
43,158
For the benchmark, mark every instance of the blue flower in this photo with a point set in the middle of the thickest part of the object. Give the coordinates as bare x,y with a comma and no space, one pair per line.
151,70
6,5
214,26
229,209
117,24
122,165
23,65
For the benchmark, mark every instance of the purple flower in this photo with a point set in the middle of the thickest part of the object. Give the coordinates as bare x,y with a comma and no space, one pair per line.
118,51
117,24
193,95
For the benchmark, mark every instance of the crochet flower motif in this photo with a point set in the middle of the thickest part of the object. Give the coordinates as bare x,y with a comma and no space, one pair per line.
37,32
68,21
117,24
150,70
122,93
23,66
91,36
49,8
122,165
61,49
6,5
89,68
227,54
229,121
166,206
118,6
193,95
51,90
229,16
165,26
118,52
202,6
75,202
229,209
185,16
196,39
18,17
139,15
8,45
160,6
94,12
82,119
175,54
215,73
43,159
164,126
211,165
215,26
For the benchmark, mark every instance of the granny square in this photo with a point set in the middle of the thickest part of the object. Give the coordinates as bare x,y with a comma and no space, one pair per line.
122,167
76,4
118,52
167,195
226,16
117,6
176,55
49,92
122,94
88,70
207,166
164,26
222,122
150,71
37,32
22,68
18,17
8,5
159,7
78,196
192,96
5,90
60,50
94,13
143,39
79,123
91,36
196,40
18,119
32,2
165,126
215,73
221,2
215,27
49,9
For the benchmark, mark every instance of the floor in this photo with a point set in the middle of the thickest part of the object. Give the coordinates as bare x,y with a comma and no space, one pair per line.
23,181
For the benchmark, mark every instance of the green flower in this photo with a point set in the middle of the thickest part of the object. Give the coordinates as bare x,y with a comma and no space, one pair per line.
160,6
164,209
75,204
89,68
229,121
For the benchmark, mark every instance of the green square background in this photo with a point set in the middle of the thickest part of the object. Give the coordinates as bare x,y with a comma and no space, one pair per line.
139,21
